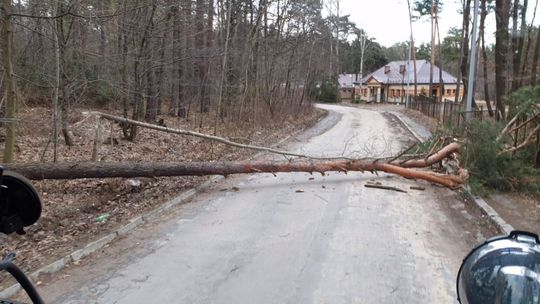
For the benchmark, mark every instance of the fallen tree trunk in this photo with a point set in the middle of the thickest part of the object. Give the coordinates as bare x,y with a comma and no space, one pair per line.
40,171
307,163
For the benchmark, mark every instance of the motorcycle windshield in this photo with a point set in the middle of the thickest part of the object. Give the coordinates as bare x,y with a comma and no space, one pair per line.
517,285
501,274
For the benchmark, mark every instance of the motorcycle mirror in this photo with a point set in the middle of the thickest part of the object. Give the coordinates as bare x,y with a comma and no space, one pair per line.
20,205
503,270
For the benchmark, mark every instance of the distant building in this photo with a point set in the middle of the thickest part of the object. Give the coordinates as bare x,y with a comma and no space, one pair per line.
348,86
389,83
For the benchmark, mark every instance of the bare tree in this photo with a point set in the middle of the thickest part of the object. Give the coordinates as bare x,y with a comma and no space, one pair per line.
6,44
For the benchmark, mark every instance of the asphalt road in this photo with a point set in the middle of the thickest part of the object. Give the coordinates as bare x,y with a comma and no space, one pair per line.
294,238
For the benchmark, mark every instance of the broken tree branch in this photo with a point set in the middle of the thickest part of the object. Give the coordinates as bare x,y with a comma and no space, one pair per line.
210,137
403,153
529,140
432,159
507,127
521,125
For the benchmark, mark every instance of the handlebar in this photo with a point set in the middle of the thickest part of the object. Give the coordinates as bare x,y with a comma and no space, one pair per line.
7,265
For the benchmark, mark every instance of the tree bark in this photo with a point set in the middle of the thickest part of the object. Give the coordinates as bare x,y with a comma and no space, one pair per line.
514,44
200,63
525,65
441,60
223,78
464,55
11,102
64,107
534,65
56,95
521,43
128,170
502,14
484,56
143,55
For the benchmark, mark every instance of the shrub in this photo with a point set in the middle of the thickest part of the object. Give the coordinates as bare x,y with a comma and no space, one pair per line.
522,101
490,169
328,91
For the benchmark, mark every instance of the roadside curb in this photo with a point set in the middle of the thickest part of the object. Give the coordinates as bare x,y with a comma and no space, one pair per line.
107,239
408,127
133,223
492,215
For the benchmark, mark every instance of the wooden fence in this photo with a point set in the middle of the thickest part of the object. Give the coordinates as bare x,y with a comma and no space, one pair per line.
447,112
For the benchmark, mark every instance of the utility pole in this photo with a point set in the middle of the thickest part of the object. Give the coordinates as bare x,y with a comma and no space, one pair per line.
472,63
411,45
363,45
433,15
413,51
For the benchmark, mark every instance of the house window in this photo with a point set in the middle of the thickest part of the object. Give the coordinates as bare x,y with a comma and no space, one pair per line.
365,92
402,69
454,92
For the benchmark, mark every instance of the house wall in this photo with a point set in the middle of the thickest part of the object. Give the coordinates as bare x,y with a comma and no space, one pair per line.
397,93
346,93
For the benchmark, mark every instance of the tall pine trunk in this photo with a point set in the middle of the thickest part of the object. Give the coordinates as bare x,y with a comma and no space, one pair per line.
516,52
464,55
484,56
502,16
534,66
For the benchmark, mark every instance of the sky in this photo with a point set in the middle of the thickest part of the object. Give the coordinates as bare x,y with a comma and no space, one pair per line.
388,20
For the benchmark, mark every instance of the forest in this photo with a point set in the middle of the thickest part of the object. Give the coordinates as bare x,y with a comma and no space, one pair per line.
229,61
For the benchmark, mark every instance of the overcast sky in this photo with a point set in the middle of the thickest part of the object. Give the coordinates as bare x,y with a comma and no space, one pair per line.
388,20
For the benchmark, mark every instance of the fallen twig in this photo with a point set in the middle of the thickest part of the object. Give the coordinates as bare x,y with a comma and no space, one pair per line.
384,187
402,153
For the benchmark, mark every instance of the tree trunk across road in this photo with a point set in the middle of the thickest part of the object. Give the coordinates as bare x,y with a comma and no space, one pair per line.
294,238
40,171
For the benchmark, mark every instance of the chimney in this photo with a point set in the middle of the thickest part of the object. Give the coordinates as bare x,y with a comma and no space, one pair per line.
386,69
402,69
